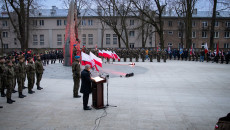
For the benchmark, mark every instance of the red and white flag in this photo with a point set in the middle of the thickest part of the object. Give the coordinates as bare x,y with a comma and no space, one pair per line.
96,59
86,60
206,48
116,56
107,54
100,53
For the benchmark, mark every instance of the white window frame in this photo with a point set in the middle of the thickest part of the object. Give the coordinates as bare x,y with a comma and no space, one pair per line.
42,39
132,33
170,23
227,34
90,22
84,39
114,38
226,45
193,34
41,22
59,22
131,45
193,45
83,22
205,24
227,24
216,34
4,23
59,39
204,36
170,44
179,34
131,22
193,23
107,39
4,34
35,39
90,38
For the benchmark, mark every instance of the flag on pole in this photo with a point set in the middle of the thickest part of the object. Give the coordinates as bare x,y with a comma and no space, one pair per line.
96,59
206,48
191,50
86,60
217,48
100,53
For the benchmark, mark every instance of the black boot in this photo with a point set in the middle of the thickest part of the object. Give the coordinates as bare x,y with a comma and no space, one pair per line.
1,106
39,88
20,95
3,94
12,100
14,91
31,92
25,87
9,101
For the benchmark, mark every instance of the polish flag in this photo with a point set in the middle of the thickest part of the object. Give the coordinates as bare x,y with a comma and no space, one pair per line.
100,53
206,48
116,56
191,50
86,60
107,54
96,59
217,48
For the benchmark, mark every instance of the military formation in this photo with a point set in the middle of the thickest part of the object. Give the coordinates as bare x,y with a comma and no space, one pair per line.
13,71
143,55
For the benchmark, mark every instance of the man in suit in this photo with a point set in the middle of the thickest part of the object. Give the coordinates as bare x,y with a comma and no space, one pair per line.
86,86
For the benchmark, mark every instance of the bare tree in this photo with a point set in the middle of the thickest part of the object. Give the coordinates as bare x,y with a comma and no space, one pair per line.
224,5
114,13
151,11
186,8
19,19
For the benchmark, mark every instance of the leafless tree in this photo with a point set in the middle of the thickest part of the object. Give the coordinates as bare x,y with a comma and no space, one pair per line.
18,12
151,11
114,13
224,5
185,9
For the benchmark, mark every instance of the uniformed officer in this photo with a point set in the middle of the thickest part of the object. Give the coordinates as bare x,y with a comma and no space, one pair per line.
15,66
20,74
30,69
39,72
76,69
10,79
3,76
151,55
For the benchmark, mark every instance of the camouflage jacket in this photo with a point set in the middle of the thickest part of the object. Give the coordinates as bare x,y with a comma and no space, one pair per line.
76,69
30,68
39,66
21,69
2,70
10,73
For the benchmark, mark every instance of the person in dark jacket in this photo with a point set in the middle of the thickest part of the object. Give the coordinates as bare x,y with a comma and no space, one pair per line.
86,86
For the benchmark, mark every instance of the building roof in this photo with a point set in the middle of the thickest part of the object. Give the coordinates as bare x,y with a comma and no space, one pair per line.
55,12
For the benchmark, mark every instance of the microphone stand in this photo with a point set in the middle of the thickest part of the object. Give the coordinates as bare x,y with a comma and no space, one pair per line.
107,80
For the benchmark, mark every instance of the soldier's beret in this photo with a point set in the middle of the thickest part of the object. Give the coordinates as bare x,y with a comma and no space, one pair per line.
77,57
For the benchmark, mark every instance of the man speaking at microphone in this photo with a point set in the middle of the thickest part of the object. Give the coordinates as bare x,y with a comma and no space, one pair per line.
86,86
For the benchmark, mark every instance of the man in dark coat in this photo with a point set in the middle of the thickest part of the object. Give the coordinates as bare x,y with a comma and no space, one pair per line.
86,86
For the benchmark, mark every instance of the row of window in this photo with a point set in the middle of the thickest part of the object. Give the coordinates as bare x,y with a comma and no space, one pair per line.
204,23
204,34
42,42
226,45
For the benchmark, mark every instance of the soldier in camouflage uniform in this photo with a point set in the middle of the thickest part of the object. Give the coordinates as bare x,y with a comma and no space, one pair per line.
124,55
21,70
164,55
30,70
39,72
136,55
10,79
158,56
76,69
154,54
197,55
15,66
3,76
143,55
151,55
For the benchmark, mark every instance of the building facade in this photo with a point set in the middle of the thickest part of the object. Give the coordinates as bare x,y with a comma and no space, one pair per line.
47,30
174,34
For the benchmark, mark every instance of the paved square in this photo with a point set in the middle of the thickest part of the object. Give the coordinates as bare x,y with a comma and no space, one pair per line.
177,95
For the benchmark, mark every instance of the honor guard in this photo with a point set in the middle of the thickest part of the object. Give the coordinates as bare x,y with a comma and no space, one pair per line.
39,72
20,76
10,79
30,70
76,69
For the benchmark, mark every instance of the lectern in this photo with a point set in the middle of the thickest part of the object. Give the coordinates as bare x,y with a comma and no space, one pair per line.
98,92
